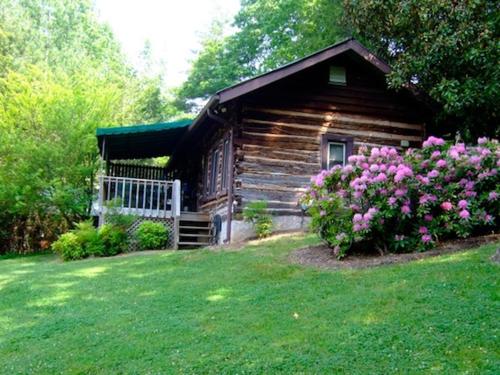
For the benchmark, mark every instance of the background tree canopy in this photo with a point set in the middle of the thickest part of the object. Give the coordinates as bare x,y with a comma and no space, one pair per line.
450,49
269,33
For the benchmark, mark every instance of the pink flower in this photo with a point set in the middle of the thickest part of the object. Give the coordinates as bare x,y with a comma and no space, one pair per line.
433,174
375,152
492,196
453,154
475,159
400,192
347,169
423,180
426,238
482,140
320,178
392,201
462,204
357,218
441,163
399,177
392,169
381,177
427,198
423,230
393,152
322,213
464,214
428,217
352,159
435,154
405,209
433,141
447,206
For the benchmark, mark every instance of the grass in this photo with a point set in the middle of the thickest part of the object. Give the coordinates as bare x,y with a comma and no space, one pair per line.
248,311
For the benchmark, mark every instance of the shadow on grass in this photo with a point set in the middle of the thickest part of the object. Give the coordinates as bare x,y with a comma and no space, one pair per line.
245,310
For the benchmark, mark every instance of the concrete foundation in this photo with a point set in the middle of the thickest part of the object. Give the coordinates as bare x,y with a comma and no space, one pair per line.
241,230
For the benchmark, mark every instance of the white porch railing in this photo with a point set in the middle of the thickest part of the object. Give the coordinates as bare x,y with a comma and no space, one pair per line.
141,197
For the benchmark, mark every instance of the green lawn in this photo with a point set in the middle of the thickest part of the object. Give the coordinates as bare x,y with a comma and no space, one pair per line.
248,311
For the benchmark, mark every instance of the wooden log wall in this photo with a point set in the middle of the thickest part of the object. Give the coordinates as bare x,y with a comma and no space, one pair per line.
213,202
278,146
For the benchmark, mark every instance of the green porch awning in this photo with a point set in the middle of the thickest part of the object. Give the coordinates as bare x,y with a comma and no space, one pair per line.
140,141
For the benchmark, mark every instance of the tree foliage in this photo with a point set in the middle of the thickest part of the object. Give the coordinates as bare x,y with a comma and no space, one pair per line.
450,49
269,33
62,74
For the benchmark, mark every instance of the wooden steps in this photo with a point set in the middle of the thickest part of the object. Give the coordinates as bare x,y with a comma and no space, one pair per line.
195,230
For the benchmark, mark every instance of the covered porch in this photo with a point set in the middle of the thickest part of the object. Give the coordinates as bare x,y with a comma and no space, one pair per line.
130,183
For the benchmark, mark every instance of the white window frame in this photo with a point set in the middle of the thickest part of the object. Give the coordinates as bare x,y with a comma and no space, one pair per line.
344,156
337,75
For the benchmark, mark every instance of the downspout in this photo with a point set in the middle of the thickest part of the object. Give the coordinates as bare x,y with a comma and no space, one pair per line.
224,122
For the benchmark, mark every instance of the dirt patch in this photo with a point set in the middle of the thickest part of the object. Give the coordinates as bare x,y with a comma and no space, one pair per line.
321,256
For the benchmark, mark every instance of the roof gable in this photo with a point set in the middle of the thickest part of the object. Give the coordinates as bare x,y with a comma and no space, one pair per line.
265,79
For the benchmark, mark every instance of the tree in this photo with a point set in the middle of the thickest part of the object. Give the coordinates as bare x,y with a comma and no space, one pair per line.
449,49
269,33
62,74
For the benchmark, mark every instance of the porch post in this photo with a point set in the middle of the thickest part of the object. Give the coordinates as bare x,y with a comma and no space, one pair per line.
176,210
101,185
101,201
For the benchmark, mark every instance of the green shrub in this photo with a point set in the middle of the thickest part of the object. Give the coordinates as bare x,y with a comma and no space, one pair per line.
69,247
113,238
151,235
89,238
256,213
115,217
264,226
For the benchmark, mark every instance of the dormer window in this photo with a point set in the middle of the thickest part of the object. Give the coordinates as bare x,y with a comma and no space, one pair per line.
337,75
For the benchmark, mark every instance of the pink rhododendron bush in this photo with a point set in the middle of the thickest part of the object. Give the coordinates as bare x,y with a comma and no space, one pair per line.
396,202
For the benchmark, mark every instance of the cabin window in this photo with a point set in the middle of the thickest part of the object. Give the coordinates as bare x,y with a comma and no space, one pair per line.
336,154
337,75
225,164
214,171
335,150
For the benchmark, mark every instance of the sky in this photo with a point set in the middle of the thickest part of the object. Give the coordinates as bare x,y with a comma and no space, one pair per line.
174,28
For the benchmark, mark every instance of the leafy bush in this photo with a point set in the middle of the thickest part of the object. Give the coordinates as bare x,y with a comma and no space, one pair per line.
405,202
115,217
69,247
151,235
89,238
113,238
256,213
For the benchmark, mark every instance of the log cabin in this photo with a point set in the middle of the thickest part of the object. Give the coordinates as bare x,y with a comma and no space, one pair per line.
261,139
